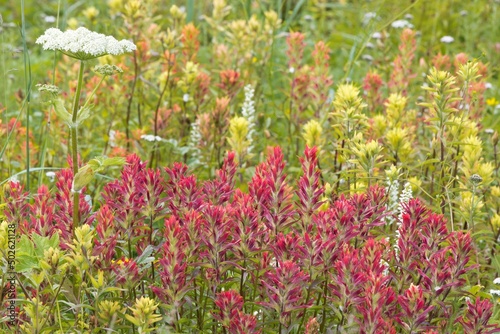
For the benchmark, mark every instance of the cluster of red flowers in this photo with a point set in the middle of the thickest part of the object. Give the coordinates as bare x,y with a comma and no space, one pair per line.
272,258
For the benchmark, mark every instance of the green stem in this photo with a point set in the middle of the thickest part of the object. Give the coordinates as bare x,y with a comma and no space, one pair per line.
243,271
305,311
157,110
93,92
323,320
151,219
473,208
129,106
27,78
74,145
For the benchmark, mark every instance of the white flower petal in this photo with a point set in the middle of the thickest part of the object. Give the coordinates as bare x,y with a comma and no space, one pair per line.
495,292
83,43
447,39
401,24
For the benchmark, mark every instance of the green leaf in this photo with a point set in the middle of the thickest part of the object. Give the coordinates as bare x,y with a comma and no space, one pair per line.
61,111
44,243
25,255
29,253
145,259
84,176
83,114
474,290
115,161
132,319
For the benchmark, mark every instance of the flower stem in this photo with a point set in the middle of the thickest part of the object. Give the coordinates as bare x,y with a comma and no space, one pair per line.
74,145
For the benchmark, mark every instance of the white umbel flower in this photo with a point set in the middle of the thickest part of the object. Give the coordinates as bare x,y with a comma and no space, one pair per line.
151,138
401,24
447,39
83,44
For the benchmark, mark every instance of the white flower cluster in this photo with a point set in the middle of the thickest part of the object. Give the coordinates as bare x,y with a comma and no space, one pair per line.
248,112
447,39
194,140
83,44
393,205
112,138
405,197
494,292
151,138
368,17
51,176
401,24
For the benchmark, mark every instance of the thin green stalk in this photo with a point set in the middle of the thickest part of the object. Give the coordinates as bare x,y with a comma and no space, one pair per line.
151,220
93,92
190,11
27,77
44,134
495,153
473,208
129,106
55,299
307,298
325,294
157,110
4,71
243,271
74,145
201,314
290,119
129,248
59,317
36,315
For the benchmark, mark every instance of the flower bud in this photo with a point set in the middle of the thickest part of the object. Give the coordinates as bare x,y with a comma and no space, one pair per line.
475,179
107,69
109,311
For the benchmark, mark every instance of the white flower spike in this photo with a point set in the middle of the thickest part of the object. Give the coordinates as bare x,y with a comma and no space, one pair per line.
83,44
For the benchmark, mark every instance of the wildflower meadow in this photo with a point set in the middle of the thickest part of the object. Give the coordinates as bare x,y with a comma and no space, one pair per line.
250,166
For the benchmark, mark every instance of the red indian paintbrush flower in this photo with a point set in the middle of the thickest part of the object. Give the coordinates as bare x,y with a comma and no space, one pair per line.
309,190
273,195
414,309
476,318
231,316
284,286
230,83
295,51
